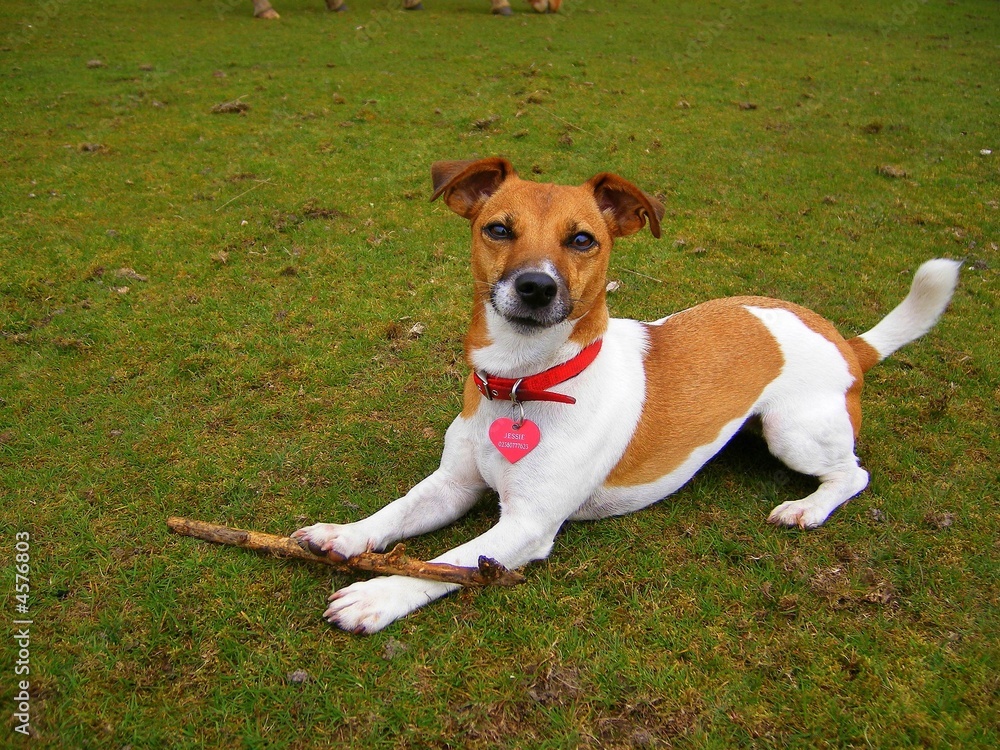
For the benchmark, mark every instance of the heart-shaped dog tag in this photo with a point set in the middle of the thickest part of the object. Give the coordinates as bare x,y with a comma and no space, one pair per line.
513,443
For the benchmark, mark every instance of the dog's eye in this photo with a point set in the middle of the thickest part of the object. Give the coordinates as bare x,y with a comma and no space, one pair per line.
497,231
582,241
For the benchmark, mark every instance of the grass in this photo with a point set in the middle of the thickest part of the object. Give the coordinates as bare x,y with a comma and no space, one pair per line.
207,315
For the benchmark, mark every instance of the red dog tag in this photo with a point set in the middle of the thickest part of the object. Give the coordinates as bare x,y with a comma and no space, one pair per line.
514,444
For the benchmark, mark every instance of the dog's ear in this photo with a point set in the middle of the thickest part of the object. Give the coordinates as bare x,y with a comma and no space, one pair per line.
626,206
466,185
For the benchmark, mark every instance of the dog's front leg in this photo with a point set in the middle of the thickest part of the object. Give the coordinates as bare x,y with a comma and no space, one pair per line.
523,534
435,502
441,498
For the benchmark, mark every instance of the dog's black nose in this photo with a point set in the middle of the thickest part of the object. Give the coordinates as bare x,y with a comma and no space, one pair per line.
536,289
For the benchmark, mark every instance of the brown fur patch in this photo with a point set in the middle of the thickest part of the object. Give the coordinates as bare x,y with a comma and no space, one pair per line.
867,356
852,400
592,324
851,352
477,336
705,367
471,398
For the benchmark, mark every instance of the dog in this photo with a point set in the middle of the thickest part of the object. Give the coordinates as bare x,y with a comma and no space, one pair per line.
571,415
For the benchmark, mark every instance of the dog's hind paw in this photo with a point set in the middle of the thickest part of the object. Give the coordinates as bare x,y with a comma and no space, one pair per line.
835,489
801,513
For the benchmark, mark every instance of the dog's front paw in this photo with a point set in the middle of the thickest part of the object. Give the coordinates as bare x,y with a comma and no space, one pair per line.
368,606
341,539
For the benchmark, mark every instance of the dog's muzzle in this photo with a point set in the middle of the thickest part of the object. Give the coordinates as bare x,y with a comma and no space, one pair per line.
532,298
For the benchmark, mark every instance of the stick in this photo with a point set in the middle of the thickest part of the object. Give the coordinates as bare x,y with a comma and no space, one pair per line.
395,562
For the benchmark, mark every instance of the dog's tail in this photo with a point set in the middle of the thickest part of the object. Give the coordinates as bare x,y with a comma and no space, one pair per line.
931,290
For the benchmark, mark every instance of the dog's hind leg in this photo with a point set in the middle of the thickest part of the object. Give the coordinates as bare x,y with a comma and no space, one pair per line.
835,489
818,440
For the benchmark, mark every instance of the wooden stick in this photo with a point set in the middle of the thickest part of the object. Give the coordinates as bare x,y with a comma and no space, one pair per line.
395,562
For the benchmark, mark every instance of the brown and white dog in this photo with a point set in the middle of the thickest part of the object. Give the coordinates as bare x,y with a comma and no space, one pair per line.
571,415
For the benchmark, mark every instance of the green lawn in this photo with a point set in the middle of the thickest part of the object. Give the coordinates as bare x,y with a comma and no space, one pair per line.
208,314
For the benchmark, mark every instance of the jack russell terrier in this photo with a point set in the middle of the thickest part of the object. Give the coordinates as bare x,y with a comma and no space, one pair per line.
571,415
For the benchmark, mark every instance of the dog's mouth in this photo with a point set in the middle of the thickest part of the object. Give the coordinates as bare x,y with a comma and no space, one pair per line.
529,324
525,319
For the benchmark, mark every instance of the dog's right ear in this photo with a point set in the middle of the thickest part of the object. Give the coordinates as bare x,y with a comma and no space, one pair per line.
467,185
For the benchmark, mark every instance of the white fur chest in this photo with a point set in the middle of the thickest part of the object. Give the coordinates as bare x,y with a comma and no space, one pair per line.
580,443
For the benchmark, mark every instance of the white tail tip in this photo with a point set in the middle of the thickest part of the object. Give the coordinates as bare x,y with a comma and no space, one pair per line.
931,290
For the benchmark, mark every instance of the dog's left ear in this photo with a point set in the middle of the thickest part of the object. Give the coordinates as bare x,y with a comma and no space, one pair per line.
626,206
467,185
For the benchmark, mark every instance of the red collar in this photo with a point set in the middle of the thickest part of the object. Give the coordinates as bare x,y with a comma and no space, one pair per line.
535,387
